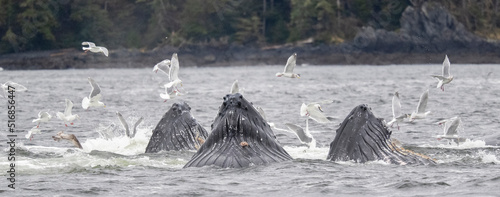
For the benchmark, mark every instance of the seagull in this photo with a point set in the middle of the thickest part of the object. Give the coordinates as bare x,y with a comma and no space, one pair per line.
422,104
70,137
95,49
125,125
290,65
234,88
170,93
67,116
14,87
397,116
33,131
163,66
94,97
173,73
42,117
315,112
445,78
304,136
451,130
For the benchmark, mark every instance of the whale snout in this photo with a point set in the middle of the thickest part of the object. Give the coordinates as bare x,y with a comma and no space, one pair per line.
234,101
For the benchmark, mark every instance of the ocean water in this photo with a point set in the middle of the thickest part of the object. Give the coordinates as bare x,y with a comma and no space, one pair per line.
119,166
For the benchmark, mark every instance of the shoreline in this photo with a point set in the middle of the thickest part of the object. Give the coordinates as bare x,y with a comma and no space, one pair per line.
236,56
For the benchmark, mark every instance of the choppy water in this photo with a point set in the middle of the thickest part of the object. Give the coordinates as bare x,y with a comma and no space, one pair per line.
120,167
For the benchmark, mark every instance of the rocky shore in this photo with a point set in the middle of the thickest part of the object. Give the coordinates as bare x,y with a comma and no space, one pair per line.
427,33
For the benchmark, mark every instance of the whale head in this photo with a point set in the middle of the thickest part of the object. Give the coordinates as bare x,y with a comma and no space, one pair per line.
240,137
177,130
363,137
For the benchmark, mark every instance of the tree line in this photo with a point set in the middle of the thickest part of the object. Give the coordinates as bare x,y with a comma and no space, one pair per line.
30,25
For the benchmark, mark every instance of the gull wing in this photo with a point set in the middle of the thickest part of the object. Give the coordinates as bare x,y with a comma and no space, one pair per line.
299,132
396,105
96,90
91,44
164,66
135,126
124,123
235,88
104,50
446,67
422,103
290,63
69,106
451,127
316,113
174,68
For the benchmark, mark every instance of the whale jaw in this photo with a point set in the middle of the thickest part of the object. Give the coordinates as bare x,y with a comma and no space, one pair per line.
177,130
240,137
362,137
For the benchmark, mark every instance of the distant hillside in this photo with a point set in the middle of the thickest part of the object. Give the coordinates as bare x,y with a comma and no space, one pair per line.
27,25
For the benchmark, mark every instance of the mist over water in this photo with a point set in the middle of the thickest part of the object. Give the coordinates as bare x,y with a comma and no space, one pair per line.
119,166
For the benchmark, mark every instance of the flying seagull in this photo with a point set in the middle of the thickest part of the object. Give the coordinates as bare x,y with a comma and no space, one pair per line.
95,49
290,65
422,104
95,96
397,116
67,116
445,78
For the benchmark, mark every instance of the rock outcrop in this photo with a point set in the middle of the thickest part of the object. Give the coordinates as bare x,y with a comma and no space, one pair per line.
429,28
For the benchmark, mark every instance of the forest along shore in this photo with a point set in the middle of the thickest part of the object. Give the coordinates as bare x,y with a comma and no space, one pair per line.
427,33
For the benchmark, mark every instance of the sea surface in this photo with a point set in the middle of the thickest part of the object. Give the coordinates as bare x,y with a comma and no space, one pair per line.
119,166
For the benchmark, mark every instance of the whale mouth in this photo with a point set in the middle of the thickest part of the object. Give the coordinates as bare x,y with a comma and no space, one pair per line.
240,137
363,137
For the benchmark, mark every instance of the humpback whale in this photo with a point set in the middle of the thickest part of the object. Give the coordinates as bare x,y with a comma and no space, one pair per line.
240,137
362,137
177,130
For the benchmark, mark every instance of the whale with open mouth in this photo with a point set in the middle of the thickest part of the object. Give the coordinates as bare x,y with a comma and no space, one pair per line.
177,130
362,137
240,137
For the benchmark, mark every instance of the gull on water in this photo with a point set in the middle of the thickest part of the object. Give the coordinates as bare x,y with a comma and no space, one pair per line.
290,65
95,96
450,130
445,78
315,112
42,117
67,116
33,131
304,136
14,86
397,116
163,66
235,88
422,104
95,49
70,137
125,125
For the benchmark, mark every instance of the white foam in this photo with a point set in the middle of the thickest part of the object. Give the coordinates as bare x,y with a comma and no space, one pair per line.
488,157
121,144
